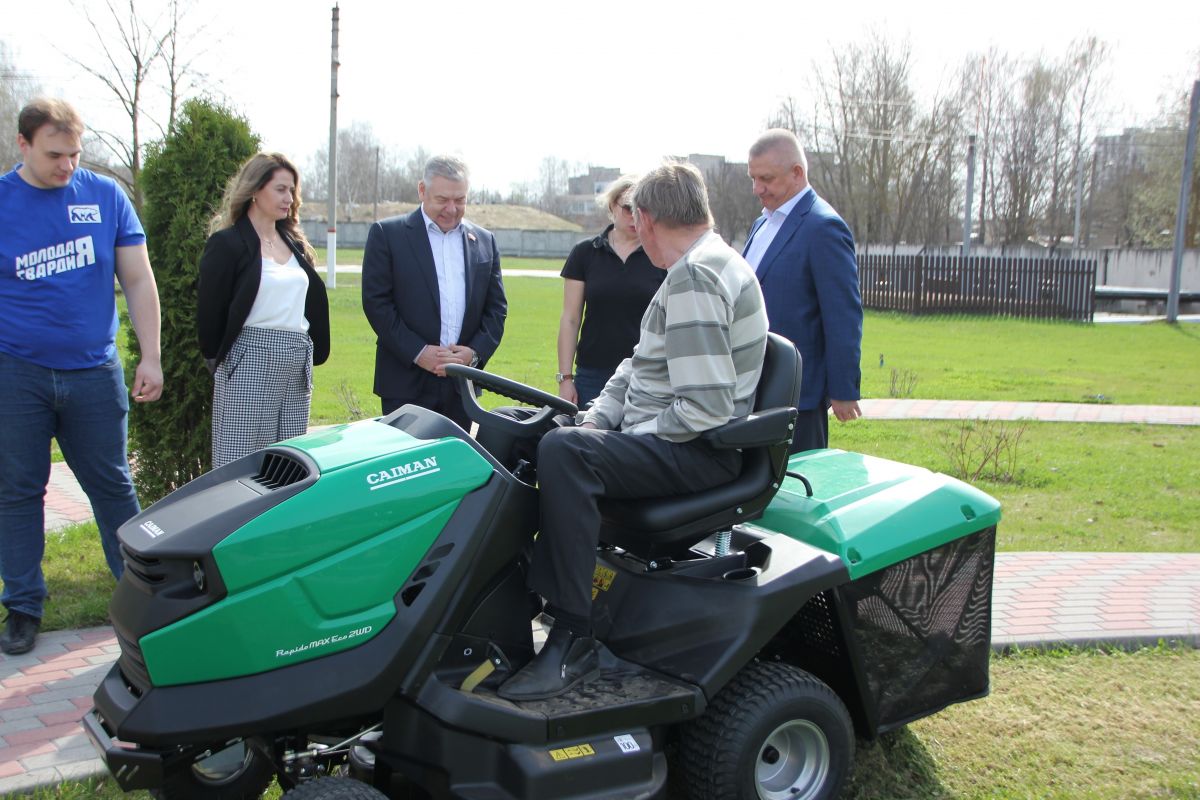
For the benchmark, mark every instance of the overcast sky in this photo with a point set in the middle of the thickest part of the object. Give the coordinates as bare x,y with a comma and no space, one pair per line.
620,83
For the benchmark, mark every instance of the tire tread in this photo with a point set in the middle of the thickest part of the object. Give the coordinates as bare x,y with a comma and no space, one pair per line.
711,766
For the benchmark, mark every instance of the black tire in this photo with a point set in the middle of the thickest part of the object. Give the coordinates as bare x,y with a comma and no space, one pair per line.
240,772
773,732
334,789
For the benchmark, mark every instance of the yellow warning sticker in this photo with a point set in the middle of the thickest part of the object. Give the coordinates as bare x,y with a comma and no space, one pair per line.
603,578
576,751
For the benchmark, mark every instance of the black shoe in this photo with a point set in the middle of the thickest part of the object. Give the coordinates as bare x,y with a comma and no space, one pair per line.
19,633
565,661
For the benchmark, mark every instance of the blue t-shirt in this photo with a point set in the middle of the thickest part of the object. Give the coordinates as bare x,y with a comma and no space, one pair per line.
57,259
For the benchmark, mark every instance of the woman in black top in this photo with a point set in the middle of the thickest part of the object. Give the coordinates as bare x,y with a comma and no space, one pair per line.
608,282
262,311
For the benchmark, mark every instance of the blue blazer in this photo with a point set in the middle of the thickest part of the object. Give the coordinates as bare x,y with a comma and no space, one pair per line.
809,278
401,300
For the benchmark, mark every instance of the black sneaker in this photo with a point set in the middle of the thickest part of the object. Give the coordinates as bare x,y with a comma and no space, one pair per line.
19,633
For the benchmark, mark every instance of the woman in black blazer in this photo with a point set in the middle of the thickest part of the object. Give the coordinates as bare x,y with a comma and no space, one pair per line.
262,311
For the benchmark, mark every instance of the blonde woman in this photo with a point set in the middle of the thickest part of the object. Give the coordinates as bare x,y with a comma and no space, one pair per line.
262,311
607,283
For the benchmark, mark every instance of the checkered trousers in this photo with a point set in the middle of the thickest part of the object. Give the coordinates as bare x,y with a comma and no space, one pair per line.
262,392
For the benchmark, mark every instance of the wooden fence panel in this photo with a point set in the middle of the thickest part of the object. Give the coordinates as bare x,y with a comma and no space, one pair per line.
1013,286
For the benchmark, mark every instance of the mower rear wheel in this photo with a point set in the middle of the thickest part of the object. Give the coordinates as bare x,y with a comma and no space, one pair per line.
334,789
239,772
773,732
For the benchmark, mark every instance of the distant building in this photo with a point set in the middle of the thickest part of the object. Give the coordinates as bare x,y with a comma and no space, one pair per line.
594,182
579,204
1122,161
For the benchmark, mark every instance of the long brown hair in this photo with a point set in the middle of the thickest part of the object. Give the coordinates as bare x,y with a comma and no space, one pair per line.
239,192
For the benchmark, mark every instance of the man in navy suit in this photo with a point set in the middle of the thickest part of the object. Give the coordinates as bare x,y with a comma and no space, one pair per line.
803,254
432,291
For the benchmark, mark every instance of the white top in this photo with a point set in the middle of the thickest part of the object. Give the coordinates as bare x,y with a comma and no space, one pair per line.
450,259
279,304
766,232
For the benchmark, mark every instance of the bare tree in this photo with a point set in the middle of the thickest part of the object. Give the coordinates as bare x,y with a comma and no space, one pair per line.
367,170
180,55
552,178
986,95
129,54
524,193
734,206
874,152
16,89
131,47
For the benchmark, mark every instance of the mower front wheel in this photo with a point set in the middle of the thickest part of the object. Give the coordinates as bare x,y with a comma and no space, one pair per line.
239,772
775,732
334,789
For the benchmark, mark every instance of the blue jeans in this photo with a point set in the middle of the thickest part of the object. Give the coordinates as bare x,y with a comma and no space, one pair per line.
87,411
589,383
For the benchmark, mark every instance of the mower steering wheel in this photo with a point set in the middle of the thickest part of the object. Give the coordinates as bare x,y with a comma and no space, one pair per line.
549,404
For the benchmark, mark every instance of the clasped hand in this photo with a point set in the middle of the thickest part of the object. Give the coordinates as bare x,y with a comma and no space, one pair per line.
434,358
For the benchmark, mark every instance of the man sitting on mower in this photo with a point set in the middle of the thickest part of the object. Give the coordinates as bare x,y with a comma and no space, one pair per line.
696,366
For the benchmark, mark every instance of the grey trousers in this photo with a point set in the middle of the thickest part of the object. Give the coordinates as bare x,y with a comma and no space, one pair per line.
577,466
261,393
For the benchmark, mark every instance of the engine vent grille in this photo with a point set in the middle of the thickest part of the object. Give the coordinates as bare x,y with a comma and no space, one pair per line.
133,664
279,470
149,570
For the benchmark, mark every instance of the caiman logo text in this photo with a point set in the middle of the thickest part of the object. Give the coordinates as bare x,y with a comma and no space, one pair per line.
402,473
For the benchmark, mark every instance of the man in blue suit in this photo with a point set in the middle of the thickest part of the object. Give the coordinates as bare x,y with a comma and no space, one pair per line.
803,254
432,291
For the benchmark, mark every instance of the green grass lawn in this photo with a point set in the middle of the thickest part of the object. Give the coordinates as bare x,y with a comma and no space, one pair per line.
345,255
1060,725
354,256
1066,725
952,358
1097,487
987,358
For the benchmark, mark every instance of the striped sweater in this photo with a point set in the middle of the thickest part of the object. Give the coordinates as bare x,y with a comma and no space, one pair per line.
700,355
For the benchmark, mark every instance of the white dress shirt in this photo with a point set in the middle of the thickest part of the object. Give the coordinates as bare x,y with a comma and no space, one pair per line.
767,231
450,260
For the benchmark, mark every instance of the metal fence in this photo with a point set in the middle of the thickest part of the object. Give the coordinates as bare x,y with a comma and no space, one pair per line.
1052,288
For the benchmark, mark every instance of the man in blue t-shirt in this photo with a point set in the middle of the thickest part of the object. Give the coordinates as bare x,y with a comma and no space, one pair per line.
65,232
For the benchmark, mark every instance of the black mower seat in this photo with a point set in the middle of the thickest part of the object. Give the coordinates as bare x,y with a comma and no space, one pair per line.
664,526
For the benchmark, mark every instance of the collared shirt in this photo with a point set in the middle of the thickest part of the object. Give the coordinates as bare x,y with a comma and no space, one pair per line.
450,260
767,231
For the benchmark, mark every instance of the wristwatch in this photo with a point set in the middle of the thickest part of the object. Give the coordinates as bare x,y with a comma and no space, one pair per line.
475,360
558,376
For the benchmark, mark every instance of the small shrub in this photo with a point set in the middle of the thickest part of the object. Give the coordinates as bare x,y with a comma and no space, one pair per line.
184,177
349,400
984,449
903,383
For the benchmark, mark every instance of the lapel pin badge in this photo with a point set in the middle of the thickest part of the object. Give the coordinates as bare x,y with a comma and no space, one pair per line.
470,236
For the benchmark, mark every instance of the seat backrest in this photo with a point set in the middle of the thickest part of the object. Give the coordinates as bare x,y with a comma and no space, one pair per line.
779,385
661,526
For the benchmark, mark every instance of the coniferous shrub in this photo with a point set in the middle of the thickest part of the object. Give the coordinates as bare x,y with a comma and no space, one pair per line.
184,177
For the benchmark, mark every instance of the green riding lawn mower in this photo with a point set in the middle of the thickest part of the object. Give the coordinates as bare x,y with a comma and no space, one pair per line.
336,612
